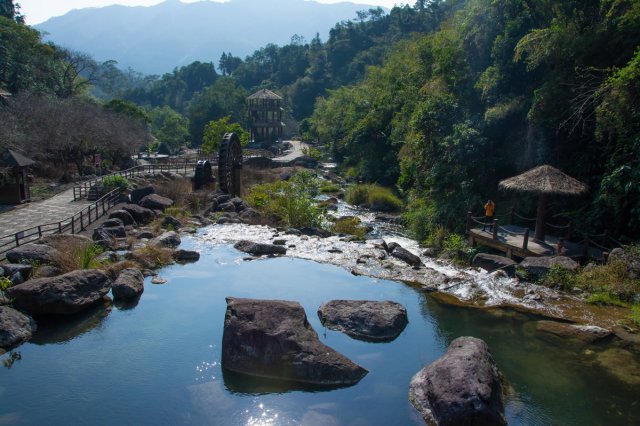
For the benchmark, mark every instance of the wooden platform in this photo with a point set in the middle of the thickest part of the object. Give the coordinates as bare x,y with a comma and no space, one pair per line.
512,245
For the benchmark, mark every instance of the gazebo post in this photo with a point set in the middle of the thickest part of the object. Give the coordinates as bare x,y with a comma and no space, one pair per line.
538,236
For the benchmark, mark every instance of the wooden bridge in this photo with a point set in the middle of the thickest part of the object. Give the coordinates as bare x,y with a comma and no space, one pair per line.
517,241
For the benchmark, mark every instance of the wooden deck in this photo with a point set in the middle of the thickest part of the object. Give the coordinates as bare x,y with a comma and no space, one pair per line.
510,240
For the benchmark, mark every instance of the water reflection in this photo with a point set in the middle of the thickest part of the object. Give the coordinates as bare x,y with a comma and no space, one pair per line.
243,384
60,329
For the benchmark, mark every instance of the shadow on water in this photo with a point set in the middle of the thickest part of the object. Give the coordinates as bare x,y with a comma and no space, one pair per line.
127,305
243,384
59,328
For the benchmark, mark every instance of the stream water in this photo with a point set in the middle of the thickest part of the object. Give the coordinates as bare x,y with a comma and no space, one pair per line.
157,361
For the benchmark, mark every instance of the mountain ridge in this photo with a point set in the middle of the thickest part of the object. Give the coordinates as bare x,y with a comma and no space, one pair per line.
156,39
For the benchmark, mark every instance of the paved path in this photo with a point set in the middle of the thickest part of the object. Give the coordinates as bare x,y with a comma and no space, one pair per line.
295,152
52,209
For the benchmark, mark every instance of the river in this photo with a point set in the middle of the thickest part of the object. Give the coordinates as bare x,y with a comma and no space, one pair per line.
157,361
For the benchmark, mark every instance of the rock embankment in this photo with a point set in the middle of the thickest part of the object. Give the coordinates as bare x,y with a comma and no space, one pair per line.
273,339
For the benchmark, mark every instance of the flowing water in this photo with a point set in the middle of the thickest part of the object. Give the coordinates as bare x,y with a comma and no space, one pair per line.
157,361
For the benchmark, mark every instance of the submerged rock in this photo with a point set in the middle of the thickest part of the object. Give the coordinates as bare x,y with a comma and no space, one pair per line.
462,387
582,333
15,327
273,339
363,319
64,294
259,249
185,256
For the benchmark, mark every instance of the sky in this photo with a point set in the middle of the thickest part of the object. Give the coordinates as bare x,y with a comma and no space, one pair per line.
37,11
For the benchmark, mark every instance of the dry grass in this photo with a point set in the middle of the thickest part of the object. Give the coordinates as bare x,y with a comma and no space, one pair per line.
177,190
75,253
153,256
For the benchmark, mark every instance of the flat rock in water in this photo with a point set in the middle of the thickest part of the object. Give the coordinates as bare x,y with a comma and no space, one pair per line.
185,256
259,249
492,262
64,294
15,327
462,387
364,319
31,253
129,284
273,339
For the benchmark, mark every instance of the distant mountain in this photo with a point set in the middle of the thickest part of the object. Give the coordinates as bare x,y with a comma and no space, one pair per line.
156,39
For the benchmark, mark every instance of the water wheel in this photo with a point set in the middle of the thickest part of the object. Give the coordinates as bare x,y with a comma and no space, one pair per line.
229,164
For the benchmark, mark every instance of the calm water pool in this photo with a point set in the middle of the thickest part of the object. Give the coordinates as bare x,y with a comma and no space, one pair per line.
158,362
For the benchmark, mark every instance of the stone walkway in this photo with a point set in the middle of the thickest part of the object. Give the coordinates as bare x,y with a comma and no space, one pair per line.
54,209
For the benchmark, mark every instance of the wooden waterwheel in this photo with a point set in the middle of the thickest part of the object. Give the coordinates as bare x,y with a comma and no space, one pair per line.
229,164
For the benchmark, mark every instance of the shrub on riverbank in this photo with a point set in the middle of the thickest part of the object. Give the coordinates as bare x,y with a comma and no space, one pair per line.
116,181
373,196
349,225
289,202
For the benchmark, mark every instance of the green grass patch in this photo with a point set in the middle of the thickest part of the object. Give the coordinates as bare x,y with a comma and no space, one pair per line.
329,188
373,196
634,316
606,299
349,225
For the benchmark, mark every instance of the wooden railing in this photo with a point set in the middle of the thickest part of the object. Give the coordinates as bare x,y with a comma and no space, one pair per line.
81,190
74,224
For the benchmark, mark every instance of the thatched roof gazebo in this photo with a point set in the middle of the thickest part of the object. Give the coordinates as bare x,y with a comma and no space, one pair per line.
543,180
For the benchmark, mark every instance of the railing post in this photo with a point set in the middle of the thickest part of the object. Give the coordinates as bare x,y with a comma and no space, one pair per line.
495,229
81,221
511,216
39,231
73,224
17,239
525,240
585,246
468,222
59,227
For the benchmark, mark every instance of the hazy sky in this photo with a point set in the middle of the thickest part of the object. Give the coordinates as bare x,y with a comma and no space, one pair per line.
37,11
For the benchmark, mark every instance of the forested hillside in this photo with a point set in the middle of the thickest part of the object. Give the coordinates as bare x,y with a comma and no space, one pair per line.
502,86
442,99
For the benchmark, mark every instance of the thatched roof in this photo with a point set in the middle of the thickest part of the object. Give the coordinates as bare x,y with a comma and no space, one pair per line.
544,180
264,94
10,158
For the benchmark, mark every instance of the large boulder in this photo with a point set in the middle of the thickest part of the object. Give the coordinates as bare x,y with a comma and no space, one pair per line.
139,193
462,387
114,231
259,249
129,284
537,267
364,319
10,269
33,253
104,239
629,259
168,239
64,294
406,256
493,262
273,339
140,214
156,202
112,223
15,327
124,216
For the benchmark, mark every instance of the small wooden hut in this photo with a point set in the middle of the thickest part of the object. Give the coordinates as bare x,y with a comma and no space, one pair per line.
265,116
543,180
14,187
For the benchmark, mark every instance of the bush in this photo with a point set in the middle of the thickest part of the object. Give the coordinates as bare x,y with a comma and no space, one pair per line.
290,202
87,256
456,246
5,283
328,188
635,315
559,277
116,181
373,196
606,299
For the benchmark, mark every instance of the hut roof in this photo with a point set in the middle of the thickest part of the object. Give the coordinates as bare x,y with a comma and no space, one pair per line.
10,158
264,94
544,180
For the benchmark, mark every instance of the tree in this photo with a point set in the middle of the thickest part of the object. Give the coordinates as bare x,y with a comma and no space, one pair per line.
214,132
11,11
128,109
169,128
